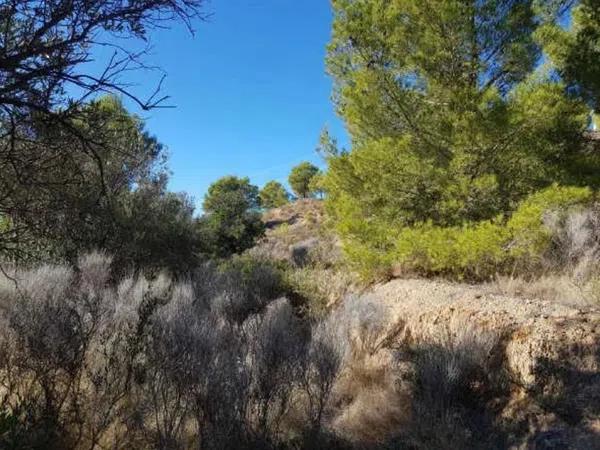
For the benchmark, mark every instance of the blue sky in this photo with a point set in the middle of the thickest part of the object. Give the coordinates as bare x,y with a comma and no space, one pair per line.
250,90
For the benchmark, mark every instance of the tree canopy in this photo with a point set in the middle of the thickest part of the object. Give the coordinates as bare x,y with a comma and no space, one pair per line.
451,116
300,178
456,113
232,222
576,50
273,195
51,130
114,198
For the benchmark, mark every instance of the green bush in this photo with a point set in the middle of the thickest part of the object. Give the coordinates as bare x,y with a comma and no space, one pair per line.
273,195
300,178
440,163
475,250
232,221
530,237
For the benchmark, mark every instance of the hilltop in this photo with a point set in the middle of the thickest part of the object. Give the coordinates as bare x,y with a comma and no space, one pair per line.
297,232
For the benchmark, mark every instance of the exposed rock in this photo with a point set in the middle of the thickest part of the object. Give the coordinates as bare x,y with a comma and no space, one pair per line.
300,252
296,233
550,351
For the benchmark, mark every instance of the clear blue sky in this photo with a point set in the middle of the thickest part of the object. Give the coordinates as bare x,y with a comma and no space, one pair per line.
250,90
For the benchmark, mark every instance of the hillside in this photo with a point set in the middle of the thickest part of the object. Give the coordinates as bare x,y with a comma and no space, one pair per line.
296,233
543,360
549,352
423,275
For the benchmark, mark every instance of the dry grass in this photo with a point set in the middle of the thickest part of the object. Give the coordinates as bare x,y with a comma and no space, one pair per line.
556,288
298,226
453,375
571,265
450,357
371,403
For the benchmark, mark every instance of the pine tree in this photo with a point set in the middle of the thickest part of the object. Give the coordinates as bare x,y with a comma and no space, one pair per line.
450,115
273,195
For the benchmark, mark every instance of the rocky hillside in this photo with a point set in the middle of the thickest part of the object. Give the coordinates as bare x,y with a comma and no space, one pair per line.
548,351
541,350
297,233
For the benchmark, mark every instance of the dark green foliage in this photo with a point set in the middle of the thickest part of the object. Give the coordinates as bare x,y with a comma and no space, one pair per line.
273,195
231,192
64,159
452,125
300,179
155,230
576,51
114,197
251,283
232,222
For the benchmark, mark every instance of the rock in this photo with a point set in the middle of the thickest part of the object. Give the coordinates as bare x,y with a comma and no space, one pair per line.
300,252
550,351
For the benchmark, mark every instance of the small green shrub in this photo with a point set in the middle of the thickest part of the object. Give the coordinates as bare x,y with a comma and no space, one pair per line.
367,244
475,250
319,287
254,278
4,223
282,230
530,237
472,250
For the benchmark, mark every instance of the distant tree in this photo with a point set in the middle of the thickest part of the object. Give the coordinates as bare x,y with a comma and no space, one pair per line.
232,222
300,178
273,195
317,185
222,193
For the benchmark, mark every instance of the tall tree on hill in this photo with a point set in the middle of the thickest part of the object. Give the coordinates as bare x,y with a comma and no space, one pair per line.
300,178
273,195
232,222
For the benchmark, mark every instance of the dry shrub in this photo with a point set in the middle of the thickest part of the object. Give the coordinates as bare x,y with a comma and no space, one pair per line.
455,376
575,241
571,272
555,288
59,326
370,402
222,360
449,359
323,361
212,362
375,415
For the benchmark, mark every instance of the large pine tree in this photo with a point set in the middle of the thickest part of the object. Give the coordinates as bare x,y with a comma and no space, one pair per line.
453,111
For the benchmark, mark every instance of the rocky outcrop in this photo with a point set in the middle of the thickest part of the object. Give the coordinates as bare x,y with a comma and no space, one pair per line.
296,234
549,351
